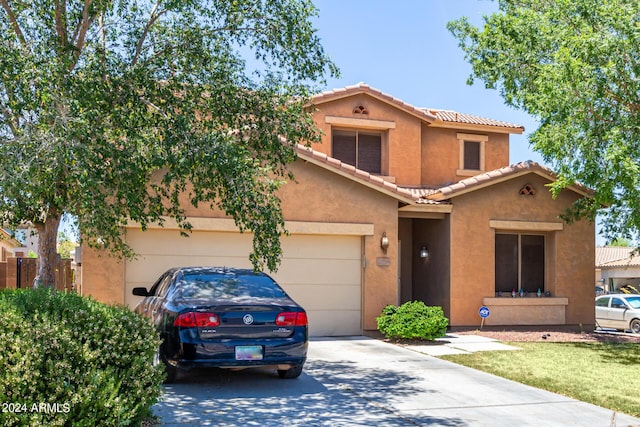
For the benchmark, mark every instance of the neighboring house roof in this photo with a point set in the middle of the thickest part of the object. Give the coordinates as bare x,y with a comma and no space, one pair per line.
435,117
616,256
499,175
6,237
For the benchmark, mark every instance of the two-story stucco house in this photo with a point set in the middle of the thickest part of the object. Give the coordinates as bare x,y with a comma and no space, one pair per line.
397,203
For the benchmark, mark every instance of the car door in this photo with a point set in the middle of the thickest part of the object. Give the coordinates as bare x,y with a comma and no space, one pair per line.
617,310
602,311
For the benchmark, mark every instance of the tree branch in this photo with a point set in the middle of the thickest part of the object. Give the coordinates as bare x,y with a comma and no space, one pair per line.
14,23
81,32
8,120
61,25
153,17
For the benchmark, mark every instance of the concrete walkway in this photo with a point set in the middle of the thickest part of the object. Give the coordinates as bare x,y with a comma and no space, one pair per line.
367,382
459,344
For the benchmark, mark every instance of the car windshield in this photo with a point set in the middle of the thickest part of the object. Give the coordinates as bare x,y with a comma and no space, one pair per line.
634,301
226,286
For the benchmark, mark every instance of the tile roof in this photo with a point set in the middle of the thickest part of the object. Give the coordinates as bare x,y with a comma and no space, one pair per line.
455,117
616,256
498,175
352,172
365,88
430,115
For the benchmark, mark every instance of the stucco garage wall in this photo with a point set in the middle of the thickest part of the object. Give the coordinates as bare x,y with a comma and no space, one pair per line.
318,196
569,253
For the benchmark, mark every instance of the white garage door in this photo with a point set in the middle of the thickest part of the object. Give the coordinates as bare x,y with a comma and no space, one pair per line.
322,273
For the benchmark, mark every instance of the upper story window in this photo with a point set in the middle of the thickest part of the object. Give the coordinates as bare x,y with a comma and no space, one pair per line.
362,149
471,153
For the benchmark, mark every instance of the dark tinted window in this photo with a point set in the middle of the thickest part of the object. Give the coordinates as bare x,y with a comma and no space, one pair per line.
225,286
602,302
472,155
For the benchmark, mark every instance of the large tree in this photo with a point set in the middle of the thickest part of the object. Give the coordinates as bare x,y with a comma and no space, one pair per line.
575,66
112,110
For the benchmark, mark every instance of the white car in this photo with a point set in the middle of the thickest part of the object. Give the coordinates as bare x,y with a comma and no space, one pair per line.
618,311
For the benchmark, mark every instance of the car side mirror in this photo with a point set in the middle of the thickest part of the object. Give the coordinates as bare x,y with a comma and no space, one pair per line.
141,292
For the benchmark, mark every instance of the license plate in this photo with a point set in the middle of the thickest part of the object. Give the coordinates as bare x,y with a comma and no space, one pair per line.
249,352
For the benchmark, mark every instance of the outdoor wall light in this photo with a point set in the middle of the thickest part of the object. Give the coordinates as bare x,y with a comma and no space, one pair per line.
424,252
384,242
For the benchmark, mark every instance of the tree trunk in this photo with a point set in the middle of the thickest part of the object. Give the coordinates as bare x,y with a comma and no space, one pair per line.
47,249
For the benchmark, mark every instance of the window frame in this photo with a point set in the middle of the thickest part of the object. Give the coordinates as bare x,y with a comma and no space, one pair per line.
357,132
519,267
463,138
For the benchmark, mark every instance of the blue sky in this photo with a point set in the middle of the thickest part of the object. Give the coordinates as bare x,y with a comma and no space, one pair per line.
403,48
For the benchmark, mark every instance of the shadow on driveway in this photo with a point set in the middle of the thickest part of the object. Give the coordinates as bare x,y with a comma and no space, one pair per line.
326,394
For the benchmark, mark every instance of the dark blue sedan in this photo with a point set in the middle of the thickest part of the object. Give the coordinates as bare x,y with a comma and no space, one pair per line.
225,318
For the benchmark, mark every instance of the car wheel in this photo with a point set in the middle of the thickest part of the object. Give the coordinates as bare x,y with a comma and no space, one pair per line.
635,326
170,371
293,372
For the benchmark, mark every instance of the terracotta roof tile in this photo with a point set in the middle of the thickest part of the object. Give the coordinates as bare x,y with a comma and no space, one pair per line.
428,114
358,174
486,178
455,117
613,255
365,88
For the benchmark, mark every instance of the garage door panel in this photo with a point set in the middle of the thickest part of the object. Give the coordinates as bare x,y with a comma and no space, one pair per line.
330,247
158,242
326,297
322,273
334,323
317,271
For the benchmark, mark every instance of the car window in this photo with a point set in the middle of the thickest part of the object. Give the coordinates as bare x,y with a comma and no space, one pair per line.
602,302
617,303
164,286
634,301
156,285
226,286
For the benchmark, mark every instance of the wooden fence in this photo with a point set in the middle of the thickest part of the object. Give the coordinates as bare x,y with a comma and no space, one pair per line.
21,272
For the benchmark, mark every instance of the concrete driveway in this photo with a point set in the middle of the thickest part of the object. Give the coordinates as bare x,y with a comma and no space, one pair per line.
367,382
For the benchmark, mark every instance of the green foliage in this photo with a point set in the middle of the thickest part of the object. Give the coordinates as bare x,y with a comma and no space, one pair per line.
575,66
413,320
89,362
65,245
135,110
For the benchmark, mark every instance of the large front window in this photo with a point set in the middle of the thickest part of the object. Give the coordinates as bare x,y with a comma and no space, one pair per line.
519,262
358,148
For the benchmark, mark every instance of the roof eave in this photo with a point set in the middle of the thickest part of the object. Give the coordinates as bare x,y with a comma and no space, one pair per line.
477,127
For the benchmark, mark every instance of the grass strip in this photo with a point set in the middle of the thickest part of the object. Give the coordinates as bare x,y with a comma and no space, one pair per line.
604,374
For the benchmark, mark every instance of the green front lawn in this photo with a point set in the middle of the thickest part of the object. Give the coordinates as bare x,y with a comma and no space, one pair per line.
605,374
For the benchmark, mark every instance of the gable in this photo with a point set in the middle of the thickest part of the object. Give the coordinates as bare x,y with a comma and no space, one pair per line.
497,176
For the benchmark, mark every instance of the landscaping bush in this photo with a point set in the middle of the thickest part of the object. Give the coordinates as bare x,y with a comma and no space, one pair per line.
413,320
69,360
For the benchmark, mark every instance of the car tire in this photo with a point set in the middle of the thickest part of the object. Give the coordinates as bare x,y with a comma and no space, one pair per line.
170,371
635,326
293,372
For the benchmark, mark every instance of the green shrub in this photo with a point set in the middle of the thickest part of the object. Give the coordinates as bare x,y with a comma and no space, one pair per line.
412,320
69,360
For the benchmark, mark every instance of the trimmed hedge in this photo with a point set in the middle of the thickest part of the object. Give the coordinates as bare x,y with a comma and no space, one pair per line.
413,320
70,360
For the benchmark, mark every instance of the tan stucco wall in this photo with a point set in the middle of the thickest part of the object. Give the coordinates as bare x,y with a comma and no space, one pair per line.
569,259
441,151
316,196
402,159
102,276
